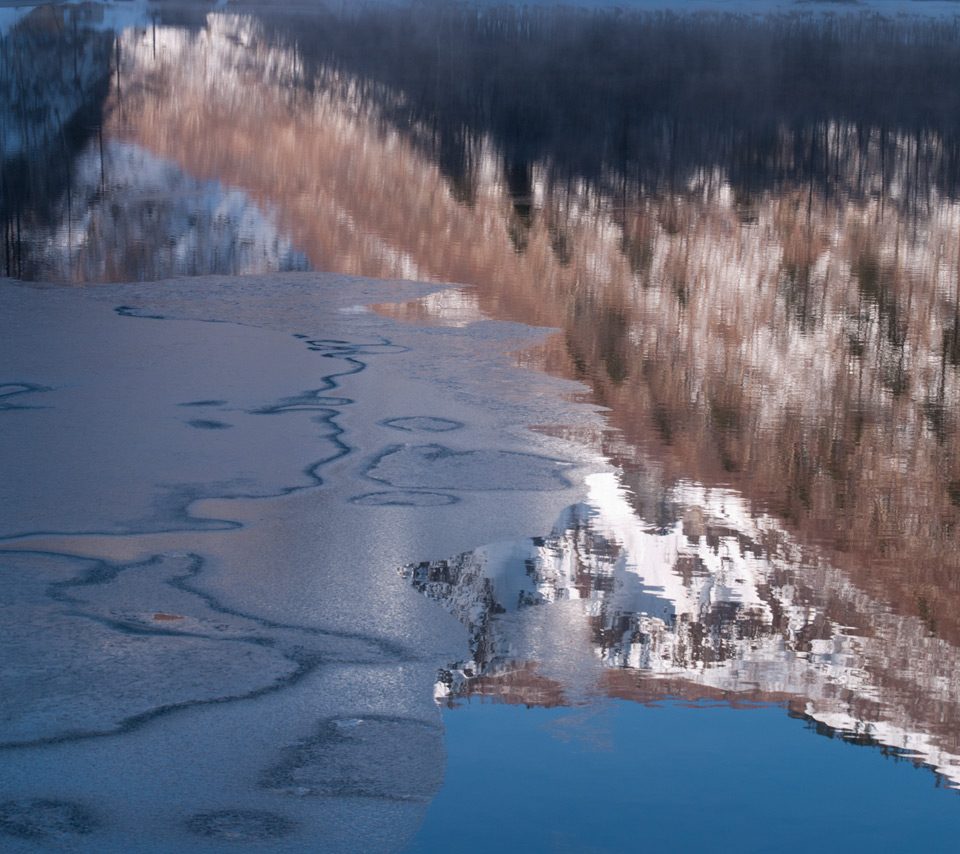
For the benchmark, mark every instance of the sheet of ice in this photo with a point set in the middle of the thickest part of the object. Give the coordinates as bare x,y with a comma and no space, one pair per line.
130,434
205,637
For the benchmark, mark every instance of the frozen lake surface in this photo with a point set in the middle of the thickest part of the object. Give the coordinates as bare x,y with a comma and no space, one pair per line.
209,639
645,533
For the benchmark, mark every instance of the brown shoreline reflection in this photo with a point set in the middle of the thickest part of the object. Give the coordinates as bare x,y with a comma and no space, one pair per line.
791,342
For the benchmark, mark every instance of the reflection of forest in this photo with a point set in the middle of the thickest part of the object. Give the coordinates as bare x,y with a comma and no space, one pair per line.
747,233
54,77
799,344
854,104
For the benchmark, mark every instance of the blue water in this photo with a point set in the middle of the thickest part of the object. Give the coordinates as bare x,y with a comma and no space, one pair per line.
617,776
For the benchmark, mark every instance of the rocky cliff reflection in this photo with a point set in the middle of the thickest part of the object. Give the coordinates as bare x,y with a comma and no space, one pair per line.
719,604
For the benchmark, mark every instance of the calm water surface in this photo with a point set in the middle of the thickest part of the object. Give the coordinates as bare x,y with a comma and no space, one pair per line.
685,777
746,231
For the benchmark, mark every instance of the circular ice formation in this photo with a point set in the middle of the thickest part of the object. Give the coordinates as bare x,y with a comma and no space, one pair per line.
240,825
405,499
206,424
395,759
435,468
423,423
40,818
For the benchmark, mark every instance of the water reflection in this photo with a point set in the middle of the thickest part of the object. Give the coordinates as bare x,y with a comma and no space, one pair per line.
155,222
54,76
82,203
745,231
720,603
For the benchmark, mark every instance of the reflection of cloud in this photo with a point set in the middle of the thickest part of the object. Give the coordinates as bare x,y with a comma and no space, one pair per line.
722,603
588,727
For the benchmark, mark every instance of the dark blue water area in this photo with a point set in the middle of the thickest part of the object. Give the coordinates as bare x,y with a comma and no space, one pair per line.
618,777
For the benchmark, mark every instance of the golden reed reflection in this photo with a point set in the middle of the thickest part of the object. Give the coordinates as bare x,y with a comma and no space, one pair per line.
800,347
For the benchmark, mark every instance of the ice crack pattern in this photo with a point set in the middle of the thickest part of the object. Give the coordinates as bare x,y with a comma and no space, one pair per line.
179,647
127,620
165,506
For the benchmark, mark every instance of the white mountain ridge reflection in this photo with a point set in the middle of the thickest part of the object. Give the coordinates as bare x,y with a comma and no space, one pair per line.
721,602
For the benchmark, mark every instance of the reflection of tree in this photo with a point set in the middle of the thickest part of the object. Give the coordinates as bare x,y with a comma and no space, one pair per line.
54,77
837,104
821,130
811,371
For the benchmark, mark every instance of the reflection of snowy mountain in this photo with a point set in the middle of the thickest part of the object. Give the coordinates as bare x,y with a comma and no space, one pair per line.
78,205
720,603
153,222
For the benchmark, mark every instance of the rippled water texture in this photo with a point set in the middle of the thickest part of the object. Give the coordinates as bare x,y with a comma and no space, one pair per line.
718,476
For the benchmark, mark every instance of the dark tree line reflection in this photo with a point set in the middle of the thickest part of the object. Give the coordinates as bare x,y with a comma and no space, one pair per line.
852,105
849,104
54,78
